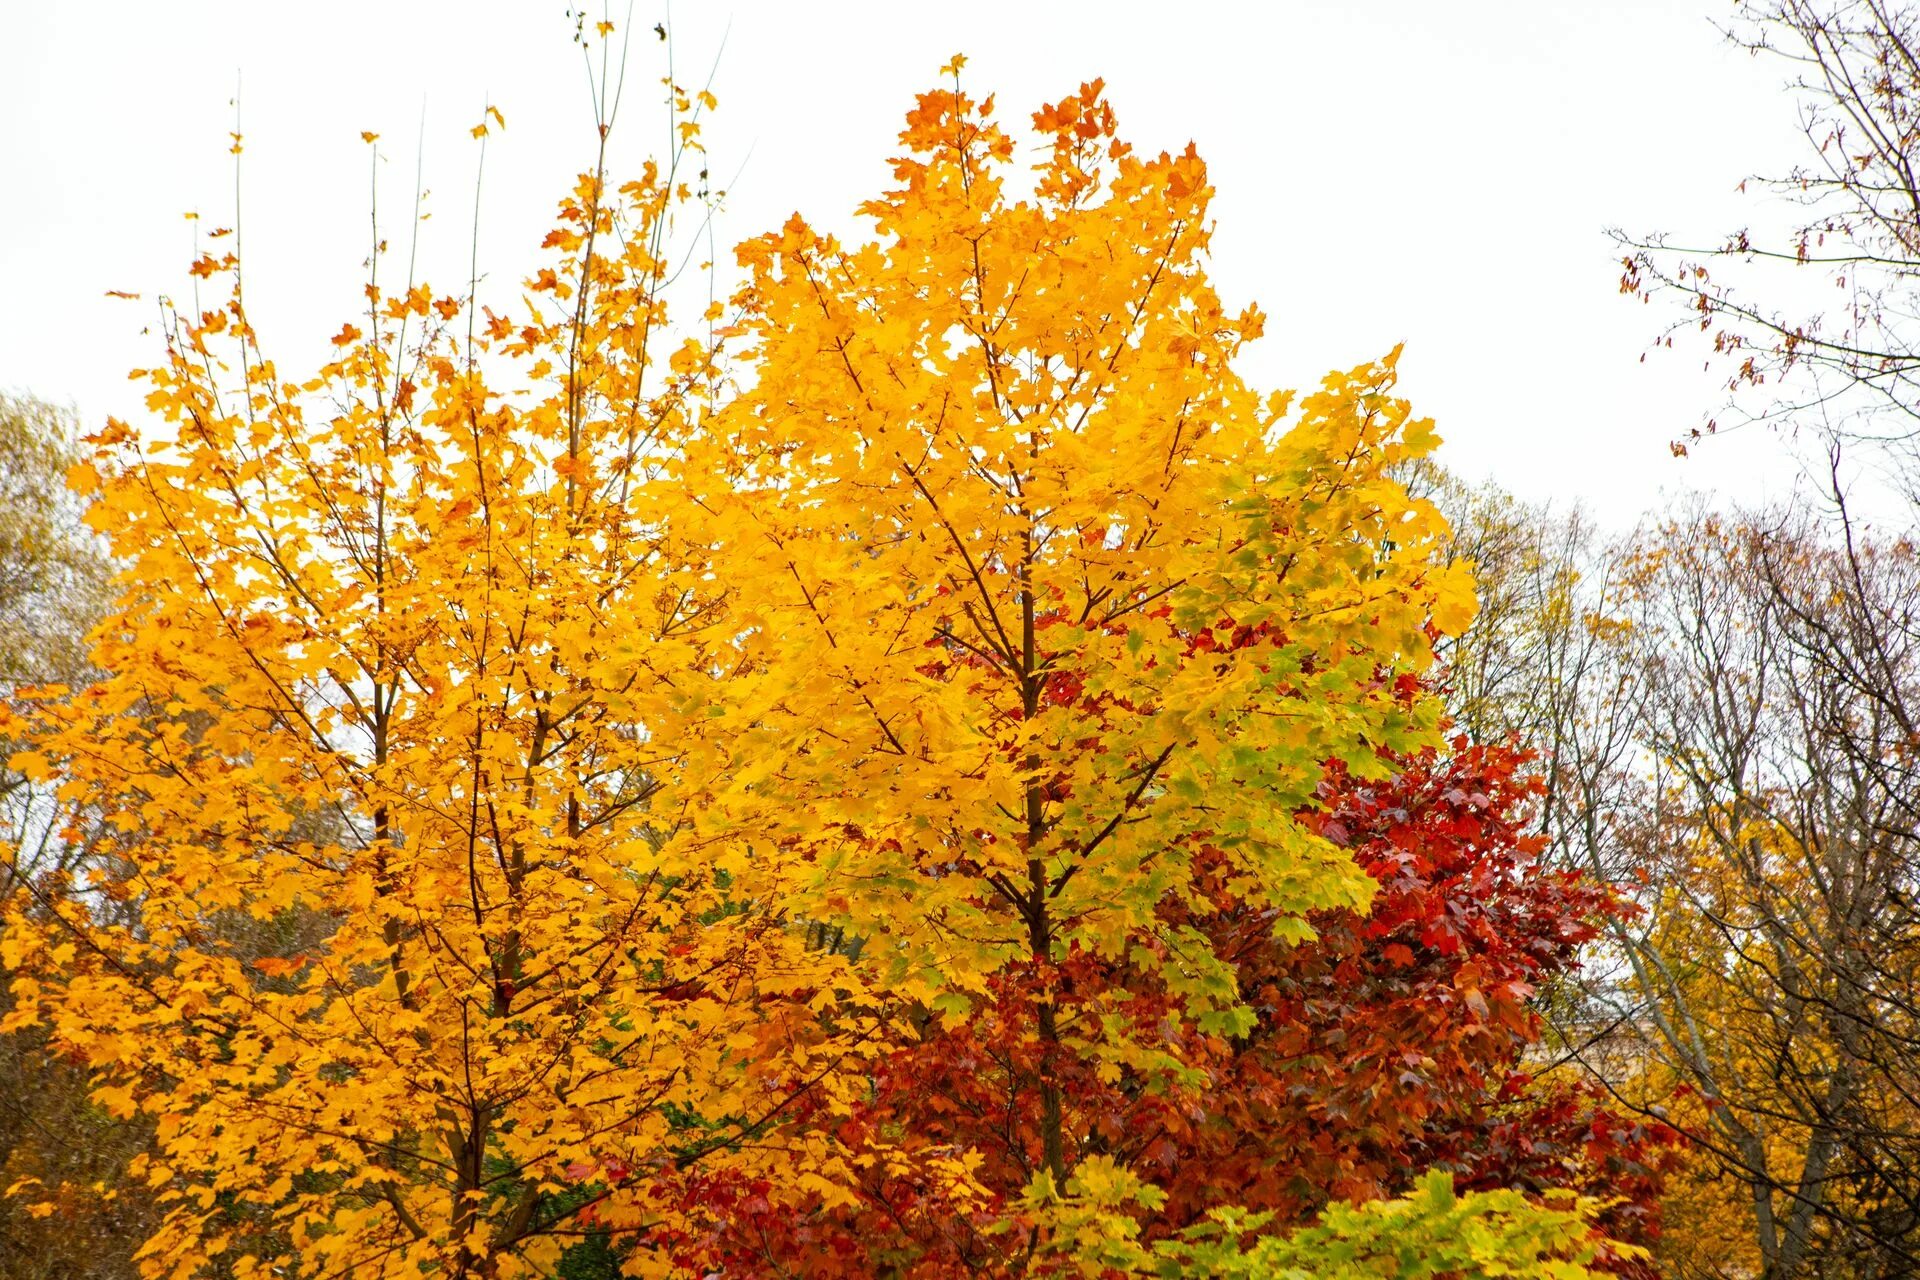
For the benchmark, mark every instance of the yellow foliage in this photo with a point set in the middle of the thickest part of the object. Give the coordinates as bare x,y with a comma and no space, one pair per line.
1031,595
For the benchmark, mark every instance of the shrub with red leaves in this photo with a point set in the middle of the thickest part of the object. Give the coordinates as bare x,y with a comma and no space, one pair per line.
1394,1042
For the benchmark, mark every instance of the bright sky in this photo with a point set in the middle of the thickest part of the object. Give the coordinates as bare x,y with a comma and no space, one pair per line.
1388,170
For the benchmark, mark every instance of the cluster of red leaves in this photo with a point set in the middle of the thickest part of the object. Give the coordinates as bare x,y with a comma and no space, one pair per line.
1393,1043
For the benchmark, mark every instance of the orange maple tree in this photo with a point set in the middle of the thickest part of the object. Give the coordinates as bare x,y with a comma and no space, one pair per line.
384,919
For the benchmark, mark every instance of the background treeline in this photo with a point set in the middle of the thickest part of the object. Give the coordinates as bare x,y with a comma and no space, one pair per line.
1727,699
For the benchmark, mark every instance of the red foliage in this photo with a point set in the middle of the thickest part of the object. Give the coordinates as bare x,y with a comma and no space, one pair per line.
1392,1043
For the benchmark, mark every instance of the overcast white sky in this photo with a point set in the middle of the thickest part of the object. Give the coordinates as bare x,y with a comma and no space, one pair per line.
1388,170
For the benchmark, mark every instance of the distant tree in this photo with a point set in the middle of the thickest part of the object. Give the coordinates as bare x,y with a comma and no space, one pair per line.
1506,677
1735,753
1771,667
53,569
1781,973
53,1140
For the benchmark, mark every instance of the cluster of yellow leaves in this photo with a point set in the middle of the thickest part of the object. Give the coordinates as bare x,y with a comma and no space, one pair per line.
1034,596
473,769
1429,1233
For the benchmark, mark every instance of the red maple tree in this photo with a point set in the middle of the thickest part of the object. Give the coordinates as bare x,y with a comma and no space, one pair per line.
1394,1042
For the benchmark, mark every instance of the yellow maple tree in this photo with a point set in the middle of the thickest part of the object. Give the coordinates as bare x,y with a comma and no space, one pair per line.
1036,604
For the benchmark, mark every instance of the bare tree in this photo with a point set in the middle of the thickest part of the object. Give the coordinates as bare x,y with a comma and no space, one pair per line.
1822,311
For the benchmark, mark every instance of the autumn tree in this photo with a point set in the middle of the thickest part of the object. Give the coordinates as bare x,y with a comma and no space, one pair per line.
1780,976
1731,757
1728,705
52,574
1053,634
1783,827
357,690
